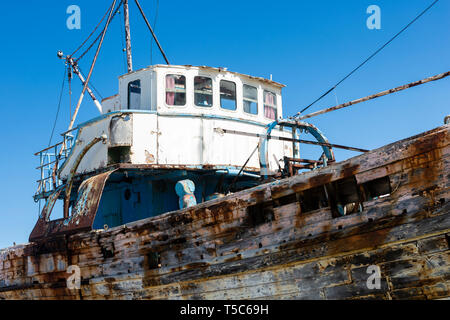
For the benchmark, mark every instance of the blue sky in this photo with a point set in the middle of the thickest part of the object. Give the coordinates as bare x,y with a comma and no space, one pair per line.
307,45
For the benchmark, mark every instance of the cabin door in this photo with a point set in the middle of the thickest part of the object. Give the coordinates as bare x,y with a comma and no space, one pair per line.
134,95
111,208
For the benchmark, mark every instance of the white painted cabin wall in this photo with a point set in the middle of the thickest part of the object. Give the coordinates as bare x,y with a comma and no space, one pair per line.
146,76
145,134
96,157
186,135
172,140
111,104
191,72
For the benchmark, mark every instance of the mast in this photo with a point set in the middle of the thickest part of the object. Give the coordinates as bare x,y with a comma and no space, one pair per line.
126,17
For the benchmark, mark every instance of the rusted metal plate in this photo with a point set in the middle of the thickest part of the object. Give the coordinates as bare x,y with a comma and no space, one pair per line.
48,207
121,130
83,211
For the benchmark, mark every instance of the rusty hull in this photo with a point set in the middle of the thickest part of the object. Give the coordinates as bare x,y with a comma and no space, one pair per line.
261,244
83,212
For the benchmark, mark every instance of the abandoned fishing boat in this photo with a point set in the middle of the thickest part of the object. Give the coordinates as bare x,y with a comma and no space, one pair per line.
190,185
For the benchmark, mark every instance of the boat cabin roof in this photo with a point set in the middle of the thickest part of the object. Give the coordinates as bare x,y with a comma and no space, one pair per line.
199,90
207,68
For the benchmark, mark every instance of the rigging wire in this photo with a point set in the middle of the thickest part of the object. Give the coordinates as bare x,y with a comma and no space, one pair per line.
101,33
376,95
91,84
91,33
59,107
85,85
151,31
370,57
154,27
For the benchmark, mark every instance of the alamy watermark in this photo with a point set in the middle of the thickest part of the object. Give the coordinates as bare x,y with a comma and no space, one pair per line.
74,280
74,20
374,20
374,280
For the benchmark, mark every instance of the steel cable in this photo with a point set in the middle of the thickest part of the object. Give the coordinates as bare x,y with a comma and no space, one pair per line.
370,57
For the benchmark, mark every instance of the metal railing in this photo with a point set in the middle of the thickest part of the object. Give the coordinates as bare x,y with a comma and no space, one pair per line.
50,161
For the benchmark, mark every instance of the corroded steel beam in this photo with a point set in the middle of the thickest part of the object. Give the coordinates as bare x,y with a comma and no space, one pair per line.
374,96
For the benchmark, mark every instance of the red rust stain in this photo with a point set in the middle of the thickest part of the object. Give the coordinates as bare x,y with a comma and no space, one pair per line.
196,265
428,143
211,251
235,258
299,218
320,179
180,219
349,170
277,189
188,287
300,186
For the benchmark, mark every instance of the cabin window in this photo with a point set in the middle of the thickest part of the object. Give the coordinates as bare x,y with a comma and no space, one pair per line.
313,199
175,90
154,260
203,93
227,95
344,197
270,105
134,94
260,213
378,188
250,99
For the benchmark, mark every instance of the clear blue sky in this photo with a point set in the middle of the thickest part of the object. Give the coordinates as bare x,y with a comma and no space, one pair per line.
307,45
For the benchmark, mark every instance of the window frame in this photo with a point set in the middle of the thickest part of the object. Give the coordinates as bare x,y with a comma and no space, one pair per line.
275,106
235,94
257,100
140,94
212,91
185,90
